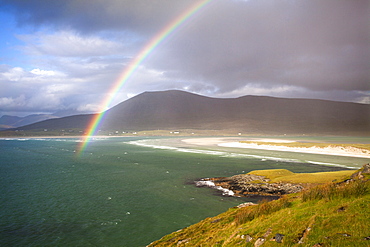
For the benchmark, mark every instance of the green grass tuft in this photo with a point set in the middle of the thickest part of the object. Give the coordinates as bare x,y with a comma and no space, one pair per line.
332,191
264,208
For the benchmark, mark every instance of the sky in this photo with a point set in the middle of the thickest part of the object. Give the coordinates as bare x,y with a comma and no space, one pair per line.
65,55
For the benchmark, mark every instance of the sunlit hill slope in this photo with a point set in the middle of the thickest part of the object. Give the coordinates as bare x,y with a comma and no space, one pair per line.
330,214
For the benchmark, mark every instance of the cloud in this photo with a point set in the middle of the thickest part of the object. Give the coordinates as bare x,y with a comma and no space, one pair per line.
75,51
12,103
13,74
294,43
69,71
89,16
42,72
287,91
33,91
69,44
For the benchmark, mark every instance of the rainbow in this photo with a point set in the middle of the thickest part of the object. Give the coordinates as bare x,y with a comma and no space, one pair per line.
134,64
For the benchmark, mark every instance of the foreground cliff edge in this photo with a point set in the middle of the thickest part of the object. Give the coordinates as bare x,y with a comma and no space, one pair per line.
335,213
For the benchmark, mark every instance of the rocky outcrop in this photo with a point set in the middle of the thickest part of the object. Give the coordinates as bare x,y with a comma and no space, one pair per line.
249,184
360,174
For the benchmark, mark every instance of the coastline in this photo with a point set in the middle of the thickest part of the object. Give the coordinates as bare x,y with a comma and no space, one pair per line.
235,143
53,137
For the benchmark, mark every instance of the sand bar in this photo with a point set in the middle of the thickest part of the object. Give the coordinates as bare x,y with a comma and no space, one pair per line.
235,143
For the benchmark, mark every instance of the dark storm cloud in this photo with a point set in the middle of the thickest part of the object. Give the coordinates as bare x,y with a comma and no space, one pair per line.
284,48
139,16
320,45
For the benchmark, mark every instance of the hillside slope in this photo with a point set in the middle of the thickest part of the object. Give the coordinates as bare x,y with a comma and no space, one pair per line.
333,214
72,122
248,114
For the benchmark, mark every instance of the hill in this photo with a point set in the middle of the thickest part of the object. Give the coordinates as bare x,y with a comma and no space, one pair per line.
177,110
331,214
7,121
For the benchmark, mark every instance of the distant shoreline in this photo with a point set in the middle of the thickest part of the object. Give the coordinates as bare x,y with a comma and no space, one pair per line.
235,143
55,137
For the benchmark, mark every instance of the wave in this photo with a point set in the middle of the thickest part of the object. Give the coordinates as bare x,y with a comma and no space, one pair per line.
150,144
184,150
329,164
15,139
262,158
144,143
210,184
58,139
41,139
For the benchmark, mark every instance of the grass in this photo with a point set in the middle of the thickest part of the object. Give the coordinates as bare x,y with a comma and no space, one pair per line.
283,175
312,144
332,191
330,214
263,208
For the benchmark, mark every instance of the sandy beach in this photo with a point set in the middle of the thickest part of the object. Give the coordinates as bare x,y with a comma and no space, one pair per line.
235,143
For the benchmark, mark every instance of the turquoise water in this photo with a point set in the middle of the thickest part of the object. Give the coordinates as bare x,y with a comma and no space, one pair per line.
116,193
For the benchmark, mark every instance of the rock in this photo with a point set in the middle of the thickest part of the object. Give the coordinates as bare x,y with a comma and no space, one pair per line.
364,170
250,184
267,233
246,204
247,238
303,235
185,241
341,209
344,234
216,220
259,242
278,238
247,184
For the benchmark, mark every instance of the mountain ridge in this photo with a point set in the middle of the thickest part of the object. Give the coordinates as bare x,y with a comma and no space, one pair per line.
9,122
176,110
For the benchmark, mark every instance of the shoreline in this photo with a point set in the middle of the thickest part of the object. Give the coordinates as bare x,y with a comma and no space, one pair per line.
55,137
235,143
337,151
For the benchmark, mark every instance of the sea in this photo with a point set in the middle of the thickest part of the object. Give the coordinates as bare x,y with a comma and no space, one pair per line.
124,191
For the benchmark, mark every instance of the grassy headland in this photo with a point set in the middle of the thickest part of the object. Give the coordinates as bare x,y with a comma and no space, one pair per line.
283,175
329,214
